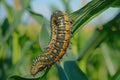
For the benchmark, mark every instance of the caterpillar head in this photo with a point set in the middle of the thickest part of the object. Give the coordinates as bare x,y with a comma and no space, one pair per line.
36,69
37,66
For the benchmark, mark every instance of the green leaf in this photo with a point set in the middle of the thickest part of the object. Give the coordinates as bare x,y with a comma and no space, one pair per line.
38,17
44,35
16,48
16,77
108,60
44,29
73,71
88,12
39,76
14,22
116,4
25,3
98,36
92,43
4,27
66,4
9,11
116,76
61,73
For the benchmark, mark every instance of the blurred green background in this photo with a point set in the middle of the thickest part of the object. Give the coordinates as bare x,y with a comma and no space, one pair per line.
94,51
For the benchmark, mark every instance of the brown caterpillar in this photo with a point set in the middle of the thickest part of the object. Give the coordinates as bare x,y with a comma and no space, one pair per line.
60,38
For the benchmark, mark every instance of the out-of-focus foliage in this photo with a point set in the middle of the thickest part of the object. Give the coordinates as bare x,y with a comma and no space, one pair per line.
94,53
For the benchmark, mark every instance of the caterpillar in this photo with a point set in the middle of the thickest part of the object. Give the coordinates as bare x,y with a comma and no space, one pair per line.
60,38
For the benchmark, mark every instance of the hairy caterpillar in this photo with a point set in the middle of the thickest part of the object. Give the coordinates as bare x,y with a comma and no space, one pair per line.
60,37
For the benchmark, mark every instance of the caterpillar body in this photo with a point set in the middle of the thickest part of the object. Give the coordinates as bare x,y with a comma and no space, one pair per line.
60,38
